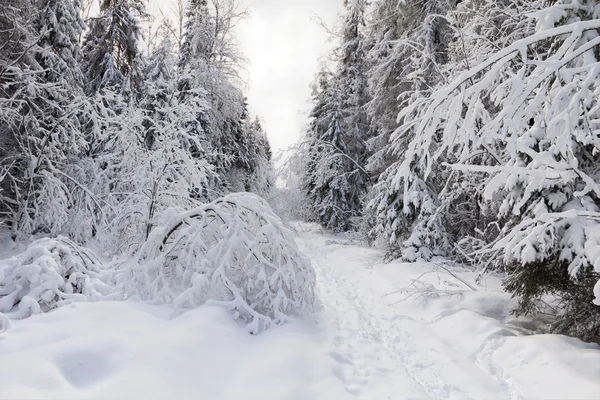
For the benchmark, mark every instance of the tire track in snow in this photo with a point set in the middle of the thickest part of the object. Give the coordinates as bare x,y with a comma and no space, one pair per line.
425,361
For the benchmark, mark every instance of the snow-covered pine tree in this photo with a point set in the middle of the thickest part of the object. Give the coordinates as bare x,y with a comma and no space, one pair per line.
193,66
159,88
335,179
481,28
60,25
208,63
405,61
198,36
328,166
384,78
308,155
352,80
261,175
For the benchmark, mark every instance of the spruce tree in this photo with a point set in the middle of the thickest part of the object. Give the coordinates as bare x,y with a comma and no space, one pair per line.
112,59
335,179
499,158
408,57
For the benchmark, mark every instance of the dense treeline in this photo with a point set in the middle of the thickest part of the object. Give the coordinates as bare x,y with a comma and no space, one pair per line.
468,130
98,137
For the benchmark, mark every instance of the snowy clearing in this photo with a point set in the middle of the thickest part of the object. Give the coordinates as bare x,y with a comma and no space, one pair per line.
376,337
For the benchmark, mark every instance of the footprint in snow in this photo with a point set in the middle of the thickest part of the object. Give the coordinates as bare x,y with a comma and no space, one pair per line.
82,369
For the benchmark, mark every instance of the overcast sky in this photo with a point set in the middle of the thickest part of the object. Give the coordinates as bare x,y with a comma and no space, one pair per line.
283,43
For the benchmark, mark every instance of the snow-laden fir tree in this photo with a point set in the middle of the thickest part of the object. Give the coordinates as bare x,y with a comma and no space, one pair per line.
329,170
160,79
335,180
207,64
517,131
60,25
260,174
198,36
408,57
112,57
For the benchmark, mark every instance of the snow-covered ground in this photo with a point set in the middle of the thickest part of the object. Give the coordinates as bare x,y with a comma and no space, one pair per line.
385,331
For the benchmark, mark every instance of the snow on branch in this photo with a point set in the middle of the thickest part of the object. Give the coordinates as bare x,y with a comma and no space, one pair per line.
233,252
48,274
529,117
444,109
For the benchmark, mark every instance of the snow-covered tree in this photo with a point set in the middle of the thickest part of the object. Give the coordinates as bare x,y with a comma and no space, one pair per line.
198,35
160,81
335,180
112,58
40,129
60,25
408,57
208,63
260,175
407,48
525,116
234,252
51,273
325,181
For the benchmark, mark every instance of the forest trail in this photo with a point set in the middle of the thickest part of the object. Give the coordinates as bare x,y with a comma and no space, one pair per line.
383,354
396,331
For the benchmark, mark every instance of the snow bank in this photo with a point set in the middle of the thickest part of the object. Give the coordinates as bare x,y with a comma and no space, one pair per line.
131,350
50,273
551,367
234,252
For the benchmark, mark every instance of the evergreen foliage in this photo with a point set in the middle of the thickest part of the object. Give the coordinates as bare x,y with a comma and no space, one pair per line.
112,57
335,179
481,141
39,126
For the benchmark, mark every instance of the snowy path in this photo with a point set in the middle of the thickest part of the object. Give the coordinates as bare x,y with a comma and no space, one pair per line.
382,353
374,343
372,340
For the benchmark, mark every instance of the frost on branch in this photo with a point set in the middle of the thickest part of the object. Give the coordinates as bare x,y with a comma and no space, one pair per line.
234,252
48,274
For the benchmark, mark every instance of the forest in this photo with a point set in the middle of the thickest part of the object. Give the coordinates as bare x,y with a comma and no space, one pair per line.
457,133
467,130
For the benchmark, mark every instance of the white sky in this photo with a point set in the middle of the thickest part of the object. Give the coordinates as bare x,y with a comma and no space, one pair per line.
284,42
